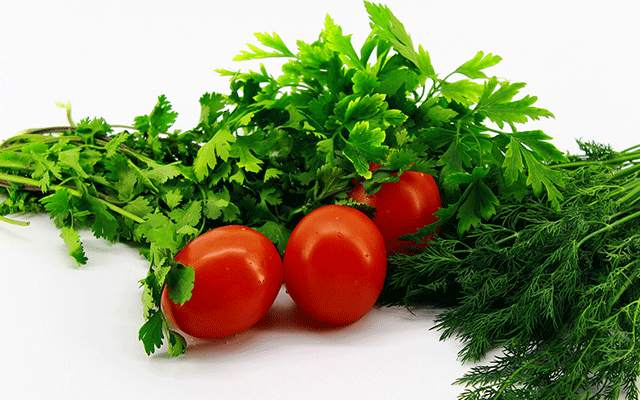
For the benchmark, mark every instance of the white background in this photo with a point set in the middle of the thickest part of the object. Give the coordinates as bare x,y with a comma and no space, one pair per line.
72,333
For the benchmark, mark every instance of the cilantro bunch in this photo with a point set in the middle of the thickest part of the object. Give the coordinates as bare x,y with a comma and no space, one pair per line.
277,146
274,148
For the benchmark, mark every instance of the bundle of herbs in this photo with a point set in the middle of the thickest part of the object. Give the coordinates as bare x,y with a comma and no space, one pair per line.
556,287
537,251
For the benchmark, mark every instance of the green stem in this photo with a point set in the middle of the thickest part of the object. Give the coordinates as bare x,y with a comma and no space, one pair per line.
632,195
12,165
637,146
127,151
74,192
624,288
627,171
30,138
535,359
13,221
608,227
615,161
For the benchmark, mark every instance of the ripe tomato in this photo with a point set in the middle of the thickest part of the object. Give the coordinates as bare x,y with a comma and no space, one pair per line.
238,274
335,264
402,207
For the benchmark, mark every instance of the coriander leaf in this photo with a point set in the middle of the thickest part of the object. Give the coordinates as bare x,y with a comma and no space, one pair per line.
439,115
158,229
538,141
364,83
160,173
365,146
401,158
44,169
211,107
139,206
159,120
239,177
269,195
391,29
88,129
272,41
173,198
218,147
230,213
105,225
246,159
58,206
393,117
540,175
180,280
463,91
393,80
189,215
341,44
473,68
498,105
276,233
71,159
151,333
216,203
123,174
177,344
72,240
219,204
148,301
403,137
113,145
479,202
329,178
464,178
456,158
363,108
513,164
326,147
222,172
272,173
142,176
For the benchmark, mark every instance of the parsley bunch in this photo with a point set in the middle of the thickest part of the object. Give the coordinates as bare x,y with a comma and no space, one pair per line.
278,146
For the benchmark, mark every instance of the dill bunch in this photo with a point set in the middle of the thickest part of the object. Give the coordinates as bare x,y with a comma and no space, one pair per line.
557,288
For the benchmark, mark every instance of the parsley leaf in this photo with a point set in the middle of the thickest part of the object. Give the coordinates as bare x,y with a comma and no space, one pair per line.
272,41
391,29
498,106
364,146
151,332
473,68
180,281
72,240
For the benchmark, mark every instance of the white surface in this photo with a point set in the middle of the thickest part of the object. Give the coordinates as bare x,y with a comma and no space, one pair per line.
72,333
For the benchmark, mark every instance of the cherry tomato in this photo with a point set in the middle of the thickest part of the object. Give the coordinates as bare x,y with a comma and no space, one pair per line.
402,208
238,274
335,264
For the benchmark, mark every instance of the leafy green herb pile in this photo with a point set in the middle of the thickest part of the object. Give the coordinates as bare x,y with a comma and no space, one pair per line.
538,250
557,287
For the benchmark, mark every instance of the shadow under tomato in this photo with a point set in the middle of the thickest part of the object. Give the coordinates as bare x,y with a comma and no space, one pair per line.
285,322
290,317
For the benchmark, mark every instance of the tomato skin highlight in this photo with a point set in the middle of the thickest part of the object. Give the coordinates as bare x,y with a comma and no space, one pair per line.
402,208
238,274
335,264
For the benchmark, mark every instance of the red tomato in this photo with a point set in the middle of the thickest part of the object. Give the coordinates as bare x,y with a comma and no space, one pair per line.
335,264
402,207
238,274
